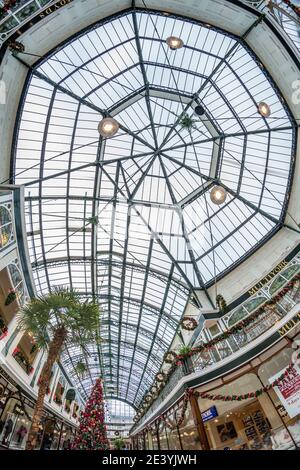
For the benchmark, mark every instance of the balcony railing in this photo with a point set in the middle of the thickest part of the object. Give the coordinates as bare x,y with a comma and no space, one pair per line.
276,299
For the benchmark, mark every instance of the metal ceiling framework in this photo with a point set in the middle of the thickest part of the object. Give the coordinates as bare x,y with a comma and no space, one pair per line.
128,220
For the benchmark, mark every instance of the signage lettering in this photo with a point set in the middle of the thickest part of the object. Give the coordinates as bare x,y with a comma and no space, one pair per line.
268,278
289,325
54,8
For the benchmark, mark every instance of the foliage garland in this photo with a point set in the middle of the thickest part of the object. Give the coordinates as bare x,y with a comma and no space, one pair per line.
226,334
190,392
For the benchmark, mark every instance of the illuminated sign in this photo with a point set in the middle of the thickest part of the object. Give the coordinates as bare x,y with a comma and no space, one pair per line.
268,278
209,414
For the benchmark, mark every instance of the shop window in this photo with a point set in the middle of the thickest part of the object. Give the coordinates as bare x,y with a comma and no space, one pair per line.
6,227
237,425
283,278
59,393
25,353
247,308
17,281
75,412
284,408
8,305
188,432
214,330
68,404
163,440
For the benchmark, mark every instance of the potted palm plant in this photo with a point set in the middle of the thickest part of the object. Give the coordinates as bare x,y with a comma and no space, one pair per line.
55,320
119,443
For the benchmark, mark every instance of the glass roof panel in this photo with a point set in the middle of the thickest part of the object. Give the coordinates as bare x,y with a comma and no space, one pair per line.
129,220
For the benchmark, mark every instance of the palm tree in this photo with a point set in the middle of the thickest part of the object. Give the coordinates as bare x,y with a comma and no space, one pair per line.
56,320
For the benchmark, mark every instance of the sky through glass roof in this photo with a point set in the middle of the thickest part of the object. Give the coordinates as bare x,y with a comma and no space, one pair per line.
129,219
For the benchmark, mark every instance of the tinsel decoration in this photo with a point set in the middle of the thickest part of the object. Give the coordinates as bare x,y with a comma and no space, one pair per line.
226,334
92,430
218,397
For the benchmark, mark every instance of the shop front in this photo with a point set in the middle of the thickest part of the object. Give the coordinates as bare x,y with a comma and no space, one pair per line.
256,410
16,411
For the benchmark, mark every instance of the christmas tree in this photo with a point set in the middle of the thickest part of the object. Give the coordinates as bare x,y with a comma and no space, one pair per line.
92,430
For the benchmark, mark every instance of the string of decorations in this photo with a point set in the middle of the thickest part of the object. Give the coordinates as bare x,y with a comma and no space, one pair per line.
219,397
175,360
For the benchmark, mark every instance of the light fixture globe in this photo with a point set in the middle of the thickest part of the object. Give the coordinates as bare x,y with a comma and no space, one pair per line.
174,43
108,127
264,109
199,110
218,195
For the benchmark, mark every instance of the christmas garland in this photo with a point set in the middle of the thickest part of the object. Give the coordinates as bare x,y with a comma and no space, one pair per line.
243,323
188,323
206,395
3,329
170,357
223,336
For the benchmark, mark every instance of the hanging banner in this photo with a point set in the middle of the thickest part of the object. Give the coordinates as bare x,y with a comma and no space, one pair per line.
288,391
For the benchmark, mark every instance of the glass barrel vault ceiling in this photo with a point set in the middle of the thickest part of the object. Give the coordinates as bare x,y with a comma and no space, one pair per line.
129,219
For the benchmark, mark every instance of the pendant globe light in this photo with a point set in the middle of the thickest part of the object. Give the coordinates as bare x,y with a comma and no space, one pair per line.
174,43
108,127
264,109
218,195
199,110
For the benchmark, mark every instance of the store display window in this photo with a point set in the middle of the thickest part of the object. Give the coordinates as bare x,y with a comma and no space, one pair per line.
25,353
8,306
15,424
163,440
237,425
6,226
154,438
188,432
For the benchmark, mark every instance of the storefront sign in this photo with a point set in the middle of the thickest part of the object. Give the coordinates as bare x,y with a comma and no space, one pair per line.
209,414
54,8
268,278
289,325
288,391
